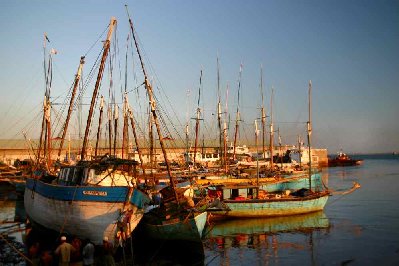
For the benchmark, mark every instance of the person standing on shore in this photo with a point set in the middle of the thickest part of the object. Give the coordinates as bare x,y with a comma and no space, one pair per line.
88,253
64,251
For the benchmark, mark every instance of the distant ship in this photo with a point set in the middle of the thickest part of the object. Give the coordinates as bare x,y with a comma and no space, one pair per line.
343,160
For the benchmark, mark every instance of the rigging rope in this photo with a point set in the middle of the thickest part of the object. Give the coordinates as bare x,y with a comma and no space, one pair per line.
355,186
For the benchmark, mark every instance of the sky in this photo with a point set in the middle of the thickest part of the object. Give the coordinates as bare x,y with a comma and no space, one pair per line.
349,49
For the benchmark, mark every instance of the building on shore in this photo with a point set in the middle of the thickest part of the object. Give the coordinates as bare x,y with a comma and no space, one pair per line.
13,150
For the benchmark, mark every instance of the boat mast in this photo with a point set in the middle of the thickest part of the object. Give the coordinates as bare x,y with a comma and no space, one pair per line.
75,86
99,124
237,115
109,114
45,39
151,138
197,119
279,147
47,111
299,151
116,118
125,135
257,153
271,131
309,134
263,113
148,86
97,85
219,110
137,141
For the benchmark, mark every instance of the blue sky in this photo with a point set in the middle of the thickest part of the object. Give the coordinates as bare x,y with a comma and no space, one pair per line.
349,49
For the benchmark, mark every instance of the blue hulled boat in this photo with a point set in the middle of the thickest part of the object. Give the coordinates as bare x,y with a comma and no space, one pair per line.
90,200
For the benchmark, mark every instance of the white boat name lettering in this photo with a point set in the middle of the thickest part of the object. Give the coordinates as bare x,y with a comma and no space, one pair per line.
95,193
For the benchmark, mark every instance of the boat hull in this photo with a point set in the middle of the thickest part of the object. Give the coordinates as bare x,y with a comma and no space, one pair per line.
86,212
273,207
190,230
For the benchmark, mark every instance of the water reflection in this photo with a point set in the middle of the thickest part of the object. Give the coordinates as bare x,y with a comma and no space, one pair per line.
264,240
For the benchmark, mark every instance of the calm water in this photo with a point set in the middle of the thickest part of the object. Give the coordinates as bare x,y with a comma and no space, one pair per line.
360,228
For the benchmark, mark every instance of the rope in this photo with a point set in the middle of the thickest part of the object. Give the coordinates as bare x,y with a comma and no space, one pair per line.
15,249
343,193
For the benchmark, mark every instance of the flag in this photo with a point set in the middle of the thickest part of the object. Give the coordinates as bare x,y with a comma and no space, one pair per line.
45,36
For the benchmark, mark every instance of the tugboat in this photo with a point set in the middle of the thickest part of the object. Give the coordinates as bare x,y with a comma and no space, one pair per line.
343,160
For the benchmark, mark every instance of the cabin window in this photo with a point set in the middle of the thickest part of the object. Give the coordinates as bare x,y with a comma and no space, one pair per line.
66,174
70,174
251,193
226,194
243,192
92,176
74,176
78,176
61,174
234,193
85,175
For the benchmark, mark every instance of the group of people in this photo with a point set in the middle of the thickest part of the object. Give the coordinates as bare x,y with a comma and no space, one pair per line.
74,253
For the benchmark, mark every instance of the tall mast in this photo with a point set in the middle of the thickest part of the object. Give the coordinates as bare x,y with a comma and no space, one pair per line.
148,86
99,124
237,114
225,146
263,113
116,118
300,151
125,136
47,111
136,140
310,133
257,155
75,86
197,119
109,115
279,147
271,131
219,110
151,138
45,39
97,86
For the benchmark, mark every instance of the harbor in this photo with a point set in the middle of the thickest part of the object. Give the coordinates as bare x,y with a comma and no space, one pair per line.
148,138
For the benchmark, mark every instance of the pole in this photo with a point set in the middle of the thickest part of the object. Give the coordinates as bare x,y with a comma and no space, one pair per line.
309,134
106,47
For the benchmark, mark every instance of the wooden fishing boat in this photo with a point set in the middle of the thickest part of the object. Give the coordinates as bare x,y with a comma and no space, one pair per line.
243,202
343,159
90,200
246,201
96,198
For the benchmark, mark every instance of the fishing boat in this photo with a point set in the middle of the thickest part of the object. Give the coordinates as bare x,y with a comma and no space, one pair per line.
95,198
343,159
91,200
251,201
